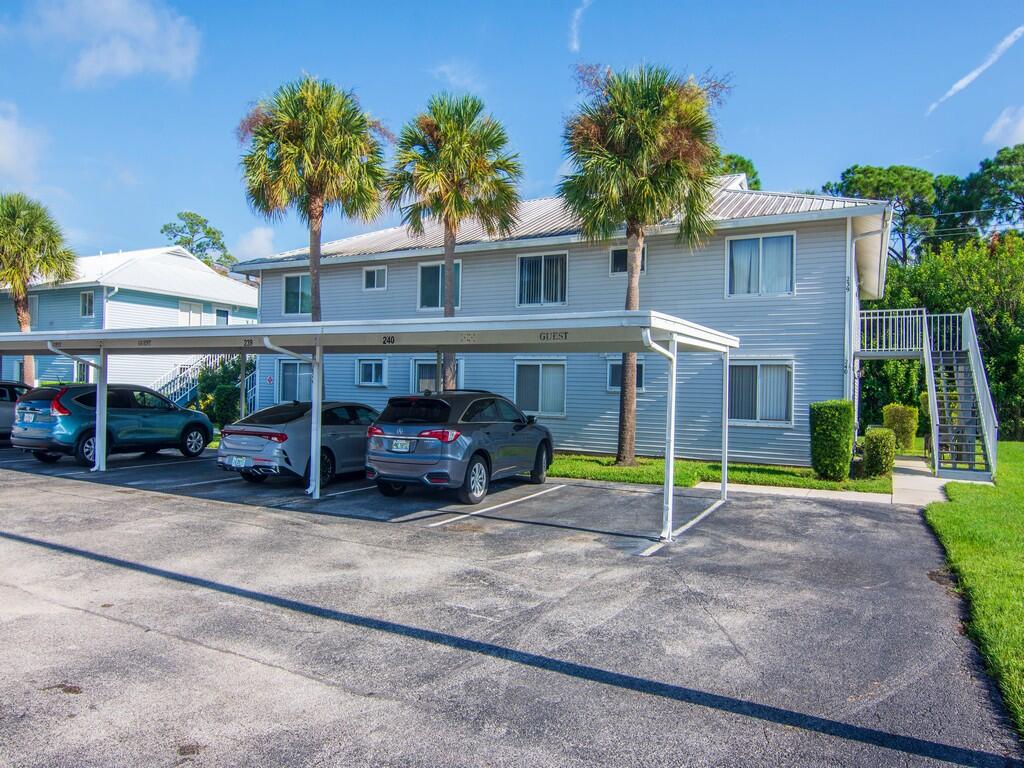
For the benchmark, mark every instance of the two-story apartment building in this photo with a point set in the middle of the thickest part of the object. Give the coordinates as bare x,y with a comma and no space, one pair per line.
783,272
129,289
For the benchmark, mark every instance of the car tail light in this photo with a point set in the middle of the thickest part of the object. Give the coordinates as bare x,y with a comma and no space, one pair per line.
57,408
274,437
444,435
374,431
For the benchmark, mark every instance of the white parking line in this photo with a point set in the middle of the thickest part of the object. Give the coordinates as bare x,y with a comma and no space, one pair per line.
132,466
328,495
181,485
496,506
681,529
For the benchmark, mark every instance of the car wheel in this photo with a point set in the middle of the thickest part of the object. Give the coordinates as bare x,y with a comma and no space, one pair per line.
327,470
539,474
85,450
474,487
46,458
193,441
252,477
390,489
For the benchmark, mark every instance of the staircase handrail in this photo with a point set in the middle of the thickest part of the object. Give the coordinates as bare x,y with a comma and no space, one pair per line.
987,409
933,405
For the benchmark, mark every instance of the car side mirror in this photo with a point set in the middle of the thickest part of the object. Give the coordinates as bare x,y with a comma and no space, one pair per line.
531,419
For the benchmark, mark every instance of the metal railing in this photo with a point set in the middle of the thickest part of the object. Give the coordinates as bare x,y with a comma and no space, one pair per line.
986,408
892,330
946,332
933,405
250,393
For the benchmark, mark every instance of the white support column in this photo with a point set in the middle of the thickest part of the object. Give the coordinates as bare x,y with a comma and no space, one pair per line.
670,443
100,459
725,425
316,421
242,359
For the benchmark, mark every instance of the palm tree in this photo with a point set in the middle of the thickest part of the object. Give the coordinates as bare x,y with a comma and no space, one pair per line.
642,150
452,165
311,147
32,250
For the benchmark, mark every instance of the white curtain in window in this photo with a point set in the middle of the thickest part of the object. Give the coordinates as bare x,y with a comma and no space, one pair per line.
777,263
743,392
775,391
552,391
296,381
743,266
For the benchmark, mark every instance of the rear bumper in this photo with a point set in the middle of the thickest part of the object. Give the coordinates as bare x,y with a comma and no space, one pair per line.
440,475
47,444
256,465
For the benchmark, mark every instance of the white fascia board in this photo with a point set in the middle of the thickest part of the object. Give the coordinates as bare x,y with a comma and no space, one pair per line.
254,267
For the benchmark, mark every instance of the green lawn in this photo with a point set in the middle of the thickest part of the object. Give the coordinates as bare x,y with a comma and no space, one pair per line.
689,473
982,530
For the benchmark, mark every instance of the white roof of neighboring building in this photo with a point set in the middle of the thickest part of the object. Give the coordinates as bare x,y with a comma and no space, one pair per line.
547,217
170,270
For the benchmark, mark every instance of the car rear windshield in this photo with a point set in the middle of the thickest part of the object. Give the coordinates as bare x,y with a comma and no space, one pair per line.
40,393
277,414
415,410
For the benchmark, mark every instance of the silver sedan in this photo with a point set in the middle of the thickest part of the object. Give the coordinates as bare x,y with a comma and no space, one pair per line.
275,441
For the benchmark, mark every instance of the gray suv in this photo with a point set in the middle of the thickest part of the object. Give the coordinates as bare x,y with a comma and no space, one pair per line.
455,439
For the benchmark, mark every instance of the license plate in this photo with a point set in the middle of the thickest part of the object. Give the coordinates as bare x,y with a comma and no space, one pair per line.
30,417
238,461
400,446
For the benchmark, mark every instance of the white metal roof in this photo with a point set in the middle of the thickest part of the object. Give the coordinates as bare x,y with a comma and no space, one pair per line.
618,331
547,218
170,270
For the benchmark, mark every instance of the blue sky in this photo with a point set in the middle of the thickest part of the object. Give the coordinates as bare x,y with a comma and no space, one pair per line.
119,113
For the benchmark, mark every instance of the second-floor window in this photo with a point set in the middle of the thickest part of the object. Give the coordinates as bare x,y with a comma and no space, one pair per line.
375,278
543,279
298,295
761,266
432,285
618,261
86,299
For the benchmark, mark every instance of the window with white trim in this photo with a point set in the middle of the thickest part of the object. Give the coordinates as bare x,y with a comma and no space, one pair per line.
375,278
295,381
540,387
431,288
33,312
761,392
424,375
190,313
82,371
298,295
615,374
543,279
223,316
618,261
762,265
370,372
86,300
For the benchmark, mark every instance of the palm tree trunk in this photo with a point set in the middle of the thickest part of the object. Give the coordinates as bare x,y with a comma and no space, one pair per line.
316,223
25,325
450,378
626,453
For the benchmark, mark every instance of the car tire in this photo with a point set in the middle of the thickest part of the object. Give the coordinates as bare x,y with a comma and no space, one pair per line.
193,442
327,468
46,457
389,489
478,480
539,474
252,477
85,450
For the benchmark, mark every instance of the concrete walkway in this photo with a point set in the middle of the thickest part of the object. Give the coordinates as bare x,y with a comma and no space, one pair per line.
913,484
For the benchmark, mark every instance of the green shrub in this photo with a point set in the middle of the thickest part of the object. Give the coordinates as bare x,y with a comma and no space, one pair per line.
925,413
879,451
902,420
832,438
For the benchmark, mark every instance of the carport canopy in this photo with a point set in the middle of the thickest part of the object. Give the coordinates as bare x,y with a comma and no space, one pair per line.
602,332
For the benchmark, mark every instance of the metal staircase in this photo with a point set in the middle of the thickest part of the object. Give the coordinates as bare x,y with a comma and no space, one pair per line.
180,384
964,429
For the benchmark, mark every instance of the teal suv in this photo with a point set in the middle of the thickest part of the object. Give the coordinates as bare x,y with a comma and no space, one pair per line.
51,422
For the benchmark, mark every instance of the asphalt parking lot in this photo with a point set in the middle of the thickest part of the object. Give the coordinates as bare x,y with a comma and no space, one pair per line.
168,613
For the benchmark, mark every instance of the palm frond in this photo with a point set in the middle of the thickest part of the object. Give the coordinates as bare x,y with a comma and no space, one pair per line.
32,246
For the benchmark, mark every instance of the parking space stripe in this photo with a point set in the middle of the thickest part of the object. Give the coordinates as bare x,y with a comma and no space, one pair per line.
327,495
681,529
153,465
496,506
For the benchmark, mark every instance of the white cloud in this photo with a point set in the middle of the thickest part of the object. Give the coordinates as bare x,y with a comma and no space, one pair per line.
20,147
574,25
970,77
1007,129
257,243
115,39
459,75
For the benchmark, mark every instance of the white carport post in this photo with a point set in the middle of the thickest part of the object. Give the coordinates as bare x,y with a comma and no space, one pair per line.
316,406
725,425
671,354
242,359
99,463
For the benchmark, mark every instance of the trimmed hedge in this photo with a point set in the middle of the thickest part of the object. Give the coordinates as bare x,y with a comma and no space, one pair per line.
902,420
879,451
832,438
925,413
